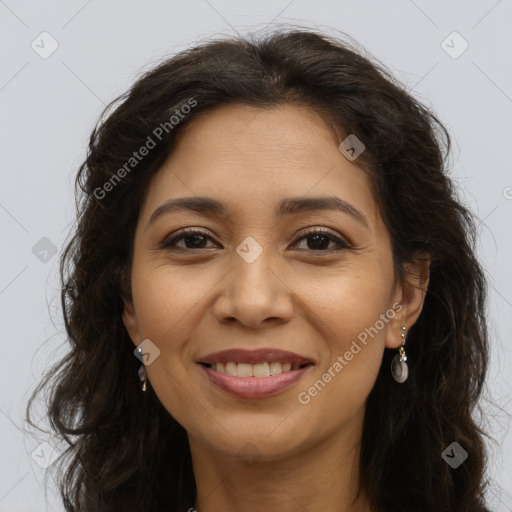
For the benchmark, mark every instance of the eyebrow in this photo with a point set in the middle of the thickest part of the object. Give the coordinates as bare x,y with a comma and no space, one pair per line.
289,206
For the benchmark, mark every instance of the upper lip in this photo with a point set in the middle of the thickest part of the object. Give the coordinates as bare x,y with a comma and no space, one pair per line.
262,355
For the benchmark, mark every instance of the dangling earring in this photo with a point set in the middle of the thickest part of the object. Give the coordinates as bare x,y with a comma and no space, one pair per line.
399,368
143,376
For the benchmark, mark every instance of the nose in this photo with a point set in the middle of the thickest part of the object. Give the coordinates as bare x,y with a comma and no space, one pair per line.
255,294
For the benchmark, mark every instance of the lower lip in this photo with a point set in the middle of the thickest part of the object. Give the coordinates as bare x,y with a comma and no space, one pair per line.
254,387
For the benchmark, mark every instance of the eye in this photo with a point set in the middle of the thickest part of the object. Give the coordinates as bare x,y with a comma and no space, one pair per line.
193,238
319,240
196,238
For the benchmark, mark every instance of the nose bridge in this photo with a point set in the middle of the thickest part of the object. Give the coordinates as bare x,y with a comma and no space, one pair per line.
252,291
252,271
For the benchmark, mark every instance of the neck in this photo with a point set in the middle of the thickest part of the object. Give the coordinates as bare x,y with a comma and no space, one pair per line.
322,477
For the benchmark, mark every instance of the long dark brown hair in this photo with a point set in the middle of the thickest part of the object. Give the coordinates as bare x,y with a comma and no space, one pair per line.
126,452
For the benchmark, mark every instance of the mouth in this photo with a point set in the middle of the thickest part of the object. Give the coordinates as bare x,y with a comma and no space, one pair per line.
254,373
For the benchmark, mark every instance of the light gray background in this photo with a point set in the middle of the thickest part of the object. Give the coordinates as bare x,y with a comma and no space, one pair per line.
49,106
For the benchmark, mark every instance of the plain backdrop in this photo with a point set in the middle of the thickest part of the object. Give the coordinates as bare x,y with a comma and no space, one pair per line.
61,62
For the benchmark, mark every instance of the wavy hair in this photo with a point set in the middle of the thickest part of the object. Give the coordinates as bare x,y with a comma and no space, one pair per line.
125,451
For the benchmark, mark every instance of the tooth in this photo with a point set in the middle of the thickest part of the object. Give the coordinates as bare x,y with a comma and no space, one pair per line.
231,368
244,370
275,368
256,370
261,370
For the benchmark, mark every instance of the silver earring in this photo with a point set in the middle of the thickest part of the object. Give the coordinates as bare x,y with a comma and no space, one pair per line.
143,376
399,368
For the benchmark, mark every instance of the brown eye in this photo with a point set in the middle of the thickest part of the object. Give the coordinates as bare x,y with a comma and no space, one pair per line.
318,240
193,239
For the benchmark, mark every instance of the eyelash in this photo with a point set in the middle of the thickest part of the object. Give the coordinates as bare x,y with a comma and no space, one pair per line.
170,243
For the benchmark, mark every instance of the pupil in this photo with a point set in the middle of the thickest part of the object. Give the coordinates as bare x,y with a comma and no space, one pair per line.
198,239
318,244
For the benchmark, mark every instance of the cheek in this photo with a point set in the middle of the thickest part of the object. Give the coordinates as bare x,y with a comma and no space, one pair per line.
167,303
350,301
353,314
165,300
347,373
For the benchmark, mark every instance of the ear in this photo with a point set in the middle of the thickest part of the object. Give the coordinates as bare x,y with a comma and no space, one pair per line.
410,294
130,322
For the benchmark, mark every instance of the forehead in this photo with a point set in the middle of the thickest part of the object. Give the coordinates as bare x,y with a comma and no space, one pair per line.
275,132
246,155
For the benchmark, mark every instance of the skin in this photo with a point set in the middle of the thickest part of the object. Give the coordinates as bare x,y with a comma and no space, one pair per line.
315,303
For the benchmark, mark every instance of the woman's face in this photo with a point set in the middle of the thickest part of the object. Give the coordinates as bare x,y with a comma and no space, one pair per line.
254,280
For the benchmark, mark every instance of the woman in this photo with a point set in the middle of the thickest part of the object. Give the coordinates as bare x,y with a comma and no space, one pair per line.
267,225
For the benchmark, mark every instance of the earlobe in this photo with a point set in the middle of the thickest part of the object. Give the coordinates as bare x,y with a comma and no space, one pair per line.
130,322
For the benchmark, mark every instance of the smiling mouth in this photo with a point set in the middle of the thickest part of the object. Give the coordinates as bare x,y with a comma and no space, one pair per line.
255,370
